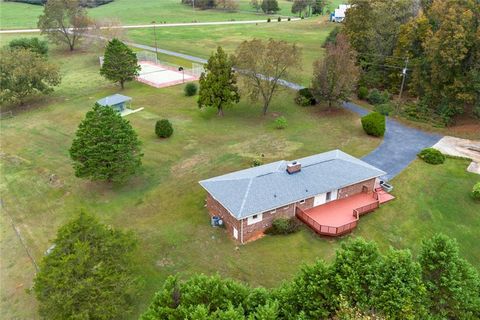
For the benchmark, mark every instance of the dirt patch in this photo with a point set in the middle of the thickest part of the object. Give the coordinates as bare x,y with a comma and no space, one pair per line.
272,148
461,148
13,159
189,164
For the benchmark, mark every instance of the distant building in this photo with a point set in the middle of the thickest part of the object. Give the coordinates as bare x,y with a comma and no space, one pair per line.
117,102
339,14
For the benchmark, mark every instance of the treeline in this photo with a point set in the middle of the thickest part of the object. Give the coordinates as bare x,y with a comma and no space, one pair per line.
437,41
83,3
229,5
361,283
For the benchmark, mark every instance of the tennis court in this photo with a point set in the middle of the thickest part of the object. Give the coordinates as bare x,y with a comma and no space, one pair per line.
160,76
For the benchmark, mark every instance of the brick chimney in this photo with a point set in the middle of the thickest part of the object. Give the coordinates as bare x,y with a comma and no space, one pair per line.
294,167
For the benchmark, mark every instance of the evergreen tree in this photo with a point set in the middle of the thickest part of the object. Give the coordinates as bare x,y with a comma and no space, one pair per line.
120,63
218,84
270,6
89,274
453,286
105,147
398,290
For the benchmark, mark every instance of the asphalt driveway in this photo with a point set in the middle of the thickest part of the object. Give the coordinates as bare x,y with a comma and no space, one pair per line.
399,147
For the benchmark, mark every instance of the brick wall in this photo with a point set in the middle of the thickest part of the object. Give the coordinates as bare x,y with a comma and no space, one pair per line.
355,188
216,209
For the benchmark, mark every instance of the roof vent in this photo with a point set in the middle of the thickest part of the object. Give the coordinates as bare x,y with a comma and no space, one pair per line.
294,167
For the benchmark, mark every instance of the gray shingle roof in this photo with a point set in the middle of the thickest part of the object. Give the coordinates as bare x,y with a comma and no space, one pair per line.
259,189
113,100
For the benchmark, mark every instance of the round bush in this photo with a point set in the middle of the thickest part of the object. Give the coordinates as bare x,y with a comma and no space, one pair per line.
163,128
384,108
377,97
279,19
374,124
268,20
305,98
289,19
432,156
362,93
190,89
476,191
280,123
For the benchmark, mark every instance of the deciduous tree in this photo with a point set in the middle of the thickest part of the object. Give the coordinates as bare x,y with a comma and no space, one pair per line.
335,75
270,6
64,21
218,84
262,64
23,73
89,273
120,63
105,147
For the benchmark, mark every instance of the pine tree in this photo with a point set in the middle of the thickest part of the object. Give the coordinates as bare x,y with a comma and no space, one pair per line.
106,147
120,64
218,84
89,274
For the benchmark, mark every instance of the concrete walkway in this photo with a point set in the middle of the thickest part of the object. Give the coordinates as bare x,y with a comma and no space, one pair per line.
167,25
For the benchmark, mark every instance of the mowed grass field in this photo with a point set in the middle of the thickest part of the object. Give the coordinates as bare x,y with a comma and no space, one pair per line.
308,34
164,205
15,15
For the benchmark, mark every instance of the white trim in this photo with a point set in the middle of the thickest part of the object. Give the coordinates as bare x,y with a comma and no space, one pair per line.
254,219
235,233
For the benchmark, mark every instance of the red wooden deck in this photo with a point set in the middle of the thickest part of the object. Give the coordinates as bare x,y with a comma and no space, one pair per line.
340,216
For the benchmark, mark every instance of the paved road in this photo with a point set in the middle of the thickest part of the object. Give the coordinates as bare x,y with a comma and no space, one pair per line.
399,147
164,25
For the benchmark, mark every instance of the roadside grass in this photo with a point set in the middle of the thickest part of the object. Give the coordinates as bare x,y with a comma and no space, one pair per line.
20,15
164,205
308,34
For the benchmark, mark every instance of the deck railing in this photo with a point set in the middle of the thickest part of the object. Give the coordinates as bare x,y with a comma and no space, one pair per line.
325,229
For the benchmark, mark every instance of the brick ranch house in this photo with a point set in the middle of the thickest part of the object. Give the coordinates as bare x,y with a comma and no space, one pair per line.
327,191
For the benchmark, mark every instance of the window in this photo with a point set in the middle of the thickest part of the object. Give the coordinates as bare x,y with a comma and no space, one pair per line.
302,201
329,196
254,219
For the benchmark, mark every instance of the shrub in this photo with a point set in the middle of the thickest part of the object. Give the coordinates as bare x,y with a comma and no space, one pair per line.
284,226
280,123
33,44
362,93
384,108
289,19
476,111
476,191
432,156
305,98
268,20
279,19
377,97
332,37
163,128
374,124
256,163
190,89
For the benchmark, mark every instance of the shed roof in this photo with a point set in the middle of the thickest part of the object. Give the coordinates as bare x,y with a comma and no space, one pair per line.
113,100
259,189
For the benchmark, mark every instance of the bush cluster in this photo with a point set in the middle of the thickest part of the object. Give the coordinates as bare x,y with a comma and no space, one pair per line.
375,96
374,124
281,123
476,191
163,128
384,108
190,89
432,156
305,97
362,93
33,44
284,226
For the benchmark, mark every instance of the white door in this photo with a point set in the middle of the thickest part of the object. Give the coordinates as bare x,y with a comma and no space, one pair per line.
235,233
319,199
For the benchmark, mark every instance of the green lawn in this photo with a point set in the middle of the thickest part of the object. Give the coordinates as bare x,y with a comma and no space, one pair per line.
164,205
19,15
309,34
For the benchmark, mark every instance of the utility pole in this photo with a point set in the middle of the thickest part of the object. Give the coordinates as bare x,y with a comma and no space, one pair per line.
193,4
404,75
155,36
